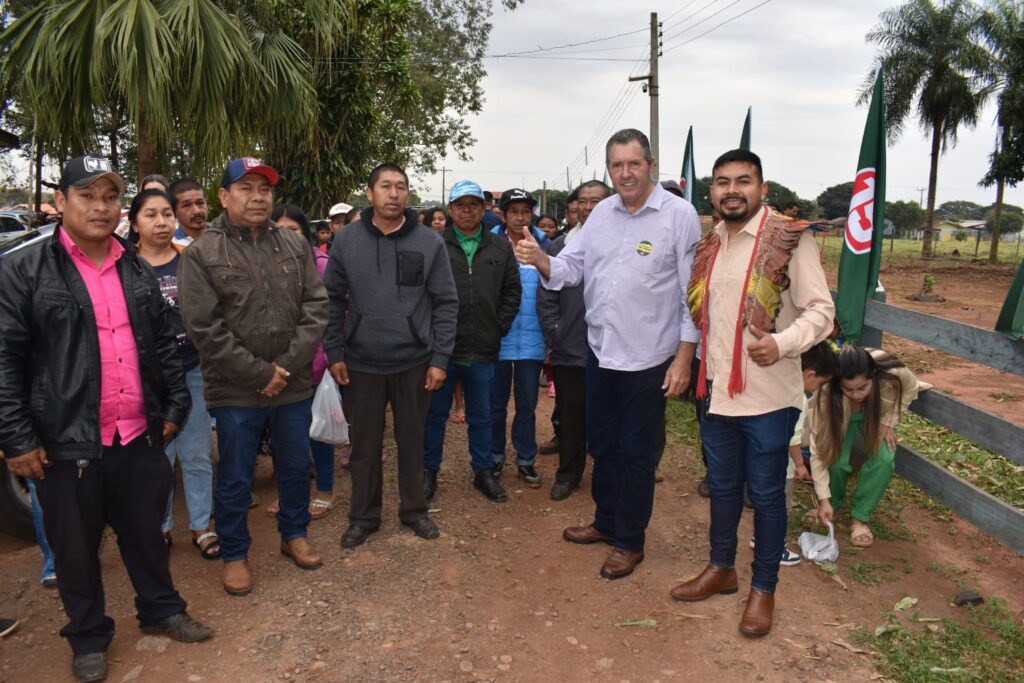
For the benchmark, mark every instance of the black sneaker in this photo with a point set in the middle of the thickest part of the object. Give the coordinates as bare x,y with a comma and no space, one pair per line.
550,447
429,484
180,627
7,627
485,482
355,535
424,527
90,667
703,490
561,490
528,474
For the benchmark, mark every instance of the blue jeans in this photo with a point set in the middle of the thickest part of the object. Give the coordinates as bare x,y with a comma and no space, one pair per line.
749,451
191,447
526,375
37,522
238,438
323,463
477,379
626,412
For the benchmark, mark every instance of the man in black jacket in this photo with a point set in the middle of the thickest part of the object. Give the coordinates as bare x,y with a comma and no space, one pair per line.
487,280
91,385
563,321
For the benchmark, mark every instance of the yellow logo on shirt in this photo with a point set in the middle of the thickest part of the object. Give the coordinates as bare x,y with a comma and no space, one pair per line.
644,248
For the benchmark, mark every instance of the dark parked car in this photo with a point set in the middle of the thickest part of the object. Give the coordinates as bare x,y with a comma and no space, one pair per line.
15,507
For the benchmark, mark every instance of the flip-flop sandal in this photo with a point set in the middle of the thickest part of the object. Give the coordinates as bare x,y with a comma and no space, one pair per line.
320,507
862,537
210,551
273,508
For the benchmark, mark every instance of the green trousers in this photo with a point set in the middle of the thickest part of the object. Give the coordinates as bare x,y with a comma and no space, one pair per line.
874,477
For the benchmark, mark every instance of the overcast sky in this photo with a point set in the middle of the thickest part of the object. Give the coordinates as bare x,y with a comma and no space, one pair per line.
799,63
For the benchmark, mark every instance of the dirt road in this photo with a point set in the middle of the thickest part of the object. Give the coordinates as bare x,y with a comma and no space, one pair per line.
501,597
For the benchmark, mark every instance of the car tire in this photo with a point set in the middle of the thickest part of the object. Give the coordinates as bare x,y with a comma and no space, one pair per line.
15,506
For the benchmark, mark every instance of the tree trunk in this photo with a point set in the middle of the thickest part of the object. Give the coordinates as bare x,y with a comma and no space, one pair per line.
933,177
147,149
993,254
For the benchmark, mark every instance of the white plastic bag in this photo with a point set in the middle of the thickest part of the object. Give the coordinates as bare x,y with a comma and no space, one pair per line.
818,548
328,424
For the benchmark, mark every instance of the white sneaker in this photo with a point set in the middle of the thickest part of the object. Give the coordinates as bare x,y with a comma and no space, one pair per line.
789,558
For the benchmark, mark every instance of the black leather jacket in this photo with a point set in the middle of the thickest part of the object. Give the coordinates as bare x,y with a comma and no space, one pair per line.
50,358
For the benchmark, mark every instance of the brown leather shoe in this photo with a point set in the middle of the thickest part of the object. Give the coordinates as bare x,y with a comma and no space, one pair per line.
585,535
757,618
302,553
237,578
621,563
709,582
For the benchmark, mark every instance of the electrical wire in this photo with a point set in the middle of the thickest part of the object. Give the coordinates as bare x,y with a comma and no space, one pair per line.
717,26
707,18
559,47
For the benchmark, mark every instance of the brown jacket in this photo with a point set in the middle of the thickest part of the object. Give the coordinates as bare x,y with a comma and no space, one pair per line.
249,305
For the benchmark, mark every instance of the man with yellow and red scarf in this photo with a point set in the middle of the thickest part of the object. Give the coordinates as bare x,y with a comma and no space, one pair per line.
759,297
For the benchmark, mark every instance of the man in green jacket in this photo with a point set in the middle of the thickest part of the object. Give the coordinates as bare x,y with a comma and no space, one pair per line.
487,280
256,309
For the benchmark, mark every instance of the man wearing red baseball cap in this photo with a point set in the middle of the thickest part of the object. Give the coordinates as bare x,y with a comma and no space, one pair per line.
256,309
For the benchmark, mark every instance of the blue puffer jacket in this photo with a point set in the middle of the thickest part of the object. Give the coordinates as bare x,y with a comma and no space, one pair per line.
524,340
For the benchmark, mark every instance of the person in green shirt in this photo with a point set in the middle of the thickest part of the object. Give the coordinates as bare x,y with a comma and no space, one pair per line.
487,281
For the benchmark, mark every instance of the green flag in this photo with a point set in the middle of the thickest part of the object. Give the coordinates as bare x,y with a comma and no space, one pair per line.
745,136
688,176
1011,317
862,243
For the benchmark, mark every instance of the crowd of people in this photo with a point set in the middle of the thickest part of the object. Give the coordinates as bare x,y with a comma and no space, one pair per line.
190,328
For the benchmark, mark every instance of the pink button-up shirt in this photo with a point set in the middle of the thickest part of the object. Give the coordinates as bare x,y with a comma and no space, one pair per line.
121,404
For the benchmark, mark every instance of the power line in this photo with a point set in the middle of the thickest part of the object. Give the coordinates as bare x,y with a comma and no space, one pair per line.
678,11
690,16
710,16
559,47
717,26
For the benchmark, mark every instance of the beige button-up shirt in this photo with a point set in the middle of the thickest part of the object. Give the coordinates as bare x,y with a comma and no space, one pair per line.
805,318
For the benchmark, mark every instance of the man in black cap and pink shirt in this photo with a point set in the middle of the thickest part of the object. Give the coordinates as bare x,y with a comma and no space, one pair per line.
91,386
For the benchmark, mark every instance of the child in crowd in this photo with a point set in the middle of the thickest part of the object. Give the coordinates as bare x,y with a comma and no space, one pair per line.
819,366
859,408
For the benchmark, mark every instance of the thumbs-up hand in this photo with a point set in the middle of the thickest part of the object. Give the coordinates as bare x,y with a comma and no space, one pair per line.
763,351
527,249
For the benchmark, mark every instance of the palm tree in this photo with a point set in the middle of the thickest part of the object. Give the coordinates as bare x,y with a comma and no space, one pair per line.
936,67
1003,25
210,72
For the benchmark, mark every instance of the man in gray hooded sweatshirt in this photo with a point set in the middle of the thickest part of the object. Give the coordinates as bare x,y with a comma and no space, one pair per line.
391,331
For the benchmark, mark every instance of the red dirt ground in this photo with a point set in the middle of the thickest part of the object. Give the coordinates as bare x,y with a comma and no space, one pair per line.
500,597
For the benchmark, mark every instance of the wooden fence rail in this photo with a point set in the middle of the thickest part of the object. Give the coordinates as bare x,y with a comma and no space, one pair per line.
995,517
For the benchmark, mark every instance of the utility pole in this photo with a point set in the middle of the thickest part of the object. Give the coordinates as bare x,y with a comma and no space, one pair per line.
651,84
544,199
921,193
444,199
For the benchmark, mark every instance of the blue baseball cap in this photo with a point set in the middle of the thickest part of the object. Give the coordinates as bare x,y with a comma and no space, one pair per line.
237,168
465,188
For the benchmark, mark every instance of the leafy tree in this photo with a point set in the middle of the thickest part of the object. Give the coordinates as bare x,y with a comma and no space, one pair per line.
779,196
835,200
961,211
935,68
905,215
1004,34
1009,221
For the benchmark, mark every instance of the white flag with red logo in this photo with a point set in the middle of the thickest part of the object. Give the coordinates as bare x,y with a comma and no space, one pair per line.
862,242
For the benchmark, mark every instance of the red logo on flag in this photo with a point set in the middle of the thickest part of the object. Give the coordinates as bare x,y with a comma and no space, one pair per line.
859,227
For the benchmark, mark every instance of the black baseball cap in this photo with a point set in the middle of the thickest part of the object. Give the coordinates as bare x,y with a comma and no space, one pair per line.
516,195
83,171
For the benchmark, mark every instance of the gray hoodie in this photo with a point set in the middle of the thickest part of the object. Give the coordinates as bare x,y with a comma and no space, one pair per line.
393,299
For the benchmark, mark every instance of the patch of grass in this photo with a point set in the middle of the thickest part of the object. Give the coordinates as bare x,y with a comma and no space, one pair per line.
989,647
872,573
908,252
1004,396
987,470
944,570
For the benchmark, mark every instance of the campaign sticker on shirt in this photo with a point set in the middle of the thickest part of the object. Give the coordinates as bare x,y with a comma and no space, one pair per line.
644,248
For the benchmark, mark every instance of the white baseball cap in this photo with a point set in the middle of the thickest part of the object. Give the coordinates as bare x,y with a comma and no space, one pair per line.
339,209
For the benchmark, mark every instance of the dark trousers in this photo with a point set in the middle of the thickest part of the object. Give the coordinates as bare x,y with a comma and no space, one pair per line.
750,451
627,410
368,398
238,441
571,407
127,488
525,376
